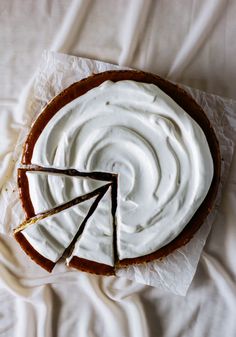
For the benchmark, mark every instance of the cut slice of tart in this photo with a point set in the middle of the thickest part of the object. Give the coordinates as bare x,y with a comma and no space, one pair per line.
94,249
46,237
42,189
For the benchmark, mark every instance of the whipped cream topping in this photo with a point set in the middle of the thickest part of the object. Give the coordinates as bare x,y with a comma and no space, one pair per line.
159,152
49,190
52,235
96,242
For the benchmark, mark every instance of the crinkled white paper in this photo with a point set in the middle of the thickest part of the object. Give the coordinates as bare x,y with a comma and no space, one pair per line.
175,272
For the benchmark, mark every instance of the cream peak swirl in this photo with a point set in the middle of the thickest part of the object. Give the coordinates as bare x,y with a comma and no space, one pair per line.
159,152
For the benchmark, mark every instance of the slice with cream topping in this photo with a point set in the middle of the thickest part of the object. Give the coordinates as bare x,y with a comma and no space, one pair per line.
96,245
54,232
43,189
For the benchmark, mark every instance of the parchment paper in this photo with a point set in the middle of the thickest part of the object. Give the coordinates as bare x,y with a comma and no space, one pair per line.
175,272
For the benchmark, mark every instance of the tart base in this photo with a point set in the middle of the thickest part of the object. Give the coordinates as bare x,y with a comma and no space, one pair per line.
33,254
91,266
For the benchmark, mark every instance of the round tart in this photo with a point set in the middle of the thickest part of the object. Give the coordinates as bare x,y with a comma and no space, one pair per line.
120,168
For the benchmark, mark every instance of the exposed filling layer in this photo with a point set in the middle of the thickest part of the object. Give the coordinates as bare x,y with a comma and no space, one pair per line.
159,152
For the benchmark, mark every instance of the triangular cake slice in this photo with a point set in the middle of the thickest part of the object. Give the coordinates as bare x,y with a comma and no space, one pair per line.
43,189
45,238
94,249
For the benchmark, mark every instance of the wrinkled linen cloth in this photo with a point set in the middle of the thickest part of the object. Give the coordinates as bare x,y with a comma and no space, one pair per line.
198,50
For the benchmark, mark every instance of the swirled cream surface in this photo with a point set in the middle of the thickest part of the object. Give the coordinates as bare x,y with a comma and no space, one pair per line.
159,152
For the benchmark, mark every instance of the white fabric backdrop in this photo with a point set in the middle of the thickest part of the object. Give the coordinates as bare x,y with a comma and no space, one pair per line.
192,42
